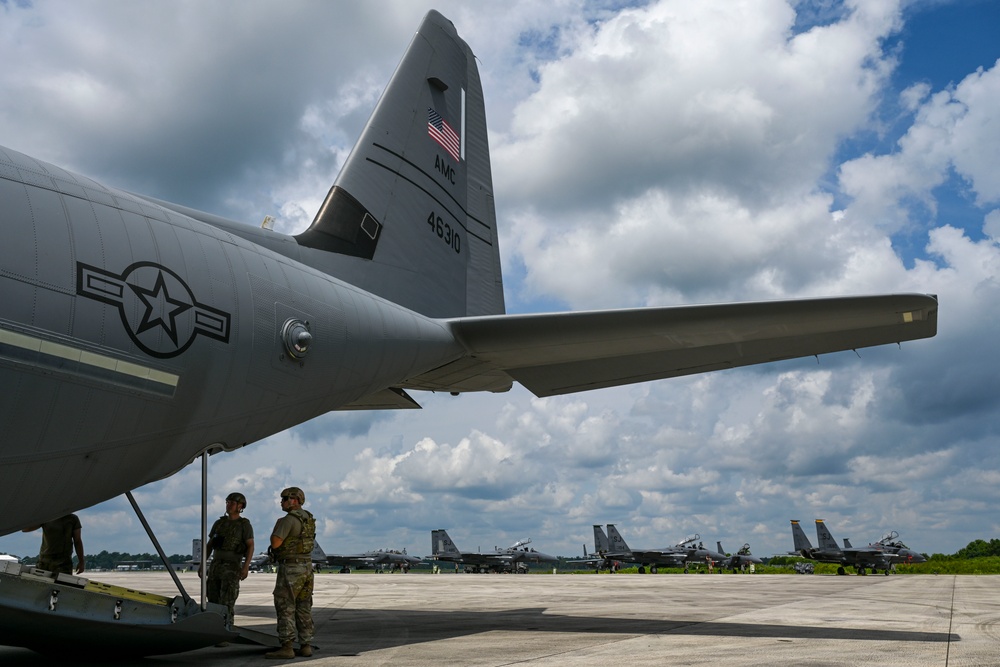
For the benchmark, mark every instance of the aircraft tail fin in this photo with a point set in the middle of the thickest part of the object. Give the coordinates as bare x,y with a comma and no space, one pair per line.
718,546
617,542
802,544
601,544
824,538
441,544
847,544
411,216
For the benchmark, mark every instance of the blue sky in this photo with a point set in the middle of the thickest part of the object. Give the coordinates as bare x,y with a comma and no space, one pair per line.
773,149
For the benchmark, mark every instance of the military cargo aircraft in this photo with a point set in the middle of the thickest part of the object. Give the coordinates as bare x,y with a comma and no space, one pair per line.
379,560
682,554
514,558
138,334
874,557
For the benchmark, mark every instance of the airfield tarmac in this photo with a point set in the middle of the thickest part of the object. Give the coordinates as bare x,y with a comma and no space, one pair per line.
544,619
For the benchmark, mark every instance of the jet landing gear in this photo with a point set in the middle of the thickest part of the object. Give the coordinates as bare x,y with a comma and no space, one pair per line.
841,571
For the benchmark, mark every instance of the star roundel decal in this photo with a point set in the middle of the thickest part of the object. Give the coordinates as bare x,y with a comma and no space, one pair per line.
157,308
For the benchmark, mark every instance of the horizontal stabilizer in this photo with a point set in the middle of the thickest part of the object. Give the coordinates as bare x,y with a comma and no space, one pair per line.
562,353
387,399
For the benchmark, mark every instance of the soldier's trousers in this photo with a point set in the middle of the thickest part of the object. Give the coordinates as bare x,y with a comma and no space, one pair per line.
56,565
223,586
293,592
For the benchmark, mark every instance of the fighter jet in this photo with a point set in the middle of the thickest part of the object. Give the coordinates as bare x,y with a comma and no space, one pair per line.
514,558
874,557
379,560
598,559
682,554
261,562
138,334
740,560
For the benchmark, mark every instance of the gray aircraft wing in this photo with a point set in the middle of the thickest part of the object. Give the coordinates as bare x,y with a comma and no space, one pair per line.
352,560
560,353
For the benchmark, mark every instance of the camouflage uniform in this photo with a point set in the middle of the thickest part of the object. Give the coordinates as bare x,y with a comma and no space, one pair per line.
56,554
229,547
293,588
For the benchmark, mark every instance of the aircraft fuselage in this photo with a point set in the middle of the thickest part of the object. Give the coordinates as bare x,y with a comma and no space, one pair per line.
133,337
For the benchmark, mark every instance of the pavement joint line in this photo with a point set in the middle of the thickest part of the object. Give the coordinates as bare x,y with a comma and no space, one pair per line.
951,621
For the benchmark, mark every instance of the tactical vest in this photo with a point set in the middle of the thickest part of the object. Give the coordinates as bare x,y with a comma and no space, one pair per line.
298,547
227,539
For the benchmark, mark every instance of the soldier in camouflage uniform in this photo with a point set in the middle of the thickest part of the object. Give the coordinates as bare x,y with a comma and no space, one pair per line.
230,543
292,542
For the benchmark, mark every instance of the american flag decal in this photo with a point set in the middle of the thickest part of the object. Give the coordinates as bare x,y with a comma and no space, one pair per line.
442,133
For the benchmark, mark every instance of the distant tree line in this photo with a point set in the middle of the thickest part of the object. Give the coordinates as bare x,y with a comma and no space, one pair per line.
976,549
110,560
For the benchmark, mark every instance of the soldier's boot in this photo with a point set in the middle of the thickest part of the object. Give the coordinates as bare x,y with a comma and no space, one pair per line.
284,653
306,651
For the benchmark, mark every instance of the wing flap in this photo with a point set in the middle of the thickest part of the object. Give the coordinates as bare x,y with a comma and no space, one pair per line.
562,353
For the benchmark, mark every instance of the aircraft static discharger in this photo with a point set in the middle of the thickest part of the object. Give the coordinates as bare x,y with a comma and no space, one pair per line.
136,334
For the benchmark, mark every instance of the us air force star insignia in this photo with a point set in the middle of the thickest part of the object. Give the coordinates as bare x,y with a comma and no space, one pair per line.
157,308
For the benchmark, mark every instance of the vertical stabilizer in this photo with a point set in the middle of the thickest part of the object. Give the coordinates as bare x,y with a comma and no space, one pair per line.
618,545
824,538
411,216
441,544
601,544
802,544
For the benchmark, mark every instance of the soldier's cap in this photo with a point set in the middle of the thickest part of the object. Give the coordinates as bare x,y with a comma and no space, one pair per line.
238,497
295,492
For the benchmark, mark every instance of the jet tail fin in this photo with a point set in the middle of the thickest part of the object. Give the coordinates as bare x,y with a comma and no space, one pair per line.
411,217
802,544
601,544
618,544
441,543
824,538
847,544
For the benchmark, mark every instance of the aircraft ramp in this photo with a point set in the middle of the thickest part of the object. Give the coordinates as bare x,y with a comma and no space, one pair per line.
60,614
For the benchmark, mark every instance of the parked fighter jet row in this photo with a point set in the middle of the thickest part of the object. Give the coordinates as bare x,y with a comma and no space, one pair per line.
611,552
